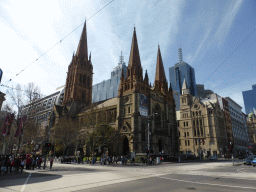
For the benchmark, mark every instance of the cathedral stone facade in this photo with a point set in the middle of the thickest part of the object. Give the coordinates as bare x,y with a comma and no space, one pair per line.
138,109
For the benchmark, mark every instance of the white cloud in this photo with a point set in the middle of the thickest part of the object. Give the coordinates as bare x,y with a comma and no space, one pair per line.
227,21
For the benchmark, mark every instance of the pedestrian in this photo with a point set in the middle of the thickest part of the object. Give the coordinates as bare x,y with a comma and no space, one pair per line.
33,163
12,164
21,164
51,163
39,163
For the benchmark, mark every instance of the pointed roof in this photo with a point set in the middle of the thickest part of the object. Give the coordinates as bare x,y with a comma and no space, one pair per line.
185,89
184,86
160,74
134,60
82,46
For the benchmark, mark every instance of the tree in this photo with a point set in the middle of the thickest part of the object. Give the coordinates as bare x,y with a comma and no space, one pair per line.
102,135
32,92
65,133
95,131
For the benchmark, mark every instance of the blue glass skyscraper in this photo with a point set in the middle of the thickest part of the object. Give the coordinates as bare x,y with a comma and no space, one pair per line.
177,74
250,99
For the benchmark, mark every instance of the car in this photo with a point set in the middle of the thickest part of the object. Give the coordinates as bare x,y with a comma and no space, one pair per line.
215,157
248,160
66,160
254,162
243,157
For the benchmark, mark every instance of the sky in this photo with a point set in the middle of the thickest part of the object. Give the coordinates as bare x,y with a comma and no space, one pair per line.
218,39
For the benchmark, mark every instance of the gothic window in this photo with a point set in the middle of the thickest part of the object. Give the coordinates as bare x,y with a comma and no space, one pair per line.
184,134
194,123
196,113
80,78
88,82
188,143
188,134
185,142
202,132
83,95
157,116
199,112
186,123
196,141
129,110
132,86
201,123
84,80
194,132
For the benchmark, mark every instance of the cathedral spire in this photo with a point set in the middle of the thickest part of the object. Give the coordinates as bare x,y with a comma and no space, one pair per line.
134,61
82,51
185,89
160,74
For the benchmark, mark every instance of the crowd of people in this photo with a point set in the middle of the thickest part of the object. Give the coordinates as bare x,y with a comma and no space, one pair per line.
10,163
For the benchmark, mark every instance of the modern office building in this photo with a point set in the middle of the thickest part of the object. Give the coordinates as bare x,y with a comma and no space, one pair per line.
250,99
177,74
109,89
240,132
201,92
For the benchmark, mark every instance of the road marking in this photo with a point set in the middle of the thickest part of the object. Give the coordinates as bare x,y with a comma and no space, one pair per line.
209,183
240,169
24,186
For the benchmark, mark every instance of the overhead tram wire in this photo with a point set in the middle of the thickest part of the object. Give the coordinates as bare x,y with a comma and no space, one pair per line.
57,43
229,55
20,89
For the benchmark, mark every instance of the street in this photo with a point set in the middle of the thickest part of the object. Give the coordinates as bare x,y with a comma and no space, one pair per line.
193,176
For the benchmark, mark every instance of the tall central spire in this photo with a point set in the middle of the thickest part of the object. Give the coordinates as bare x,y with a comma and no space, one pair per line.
160,74
82,51
134,61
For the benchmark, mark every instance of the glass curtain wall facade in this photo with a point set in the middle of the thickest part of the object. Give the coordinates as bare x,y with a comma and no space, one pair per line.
177,74
250,99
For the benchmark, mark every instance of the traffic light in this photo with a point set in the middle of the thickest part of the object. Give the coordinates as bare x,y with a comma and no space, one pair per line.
48,146
230,148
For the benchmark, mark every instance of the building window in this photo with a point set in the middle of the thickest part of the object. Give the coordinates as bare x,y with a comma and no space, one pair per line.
188,143
187,123
188,134
185,142
80,78
129,110
199,112
184,123
184,134
196,113
196,141
84,80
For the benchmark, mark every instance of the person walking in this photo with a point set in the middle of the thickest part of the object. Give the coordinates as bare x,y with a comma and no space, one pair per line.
33,163
51,163
21,164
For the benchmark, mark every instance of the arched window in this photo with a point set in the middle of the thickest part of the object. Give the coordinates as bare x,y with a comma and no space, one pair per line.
80,78
157,116
83,95
196,113
129,110
84,80
88,81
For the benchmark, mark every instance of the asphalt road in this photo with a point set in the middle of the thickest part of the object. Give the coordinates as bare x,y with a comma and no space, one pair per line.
206,176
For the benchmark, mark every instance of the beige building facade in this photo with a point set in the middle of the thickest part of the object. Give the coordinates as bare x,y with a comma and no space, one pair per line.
201,126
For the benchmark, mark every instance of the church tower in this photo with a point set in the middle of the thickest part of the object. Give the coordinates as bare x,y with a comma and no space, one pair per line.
78,90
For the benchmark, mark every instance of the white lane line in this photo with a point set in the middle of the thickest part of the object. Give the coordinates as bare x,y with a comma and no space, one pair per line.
241,187
24,186
240,169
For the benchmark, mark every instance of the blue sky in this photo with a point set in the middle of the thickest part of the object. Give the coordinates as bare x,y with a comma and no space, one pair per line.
207,31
